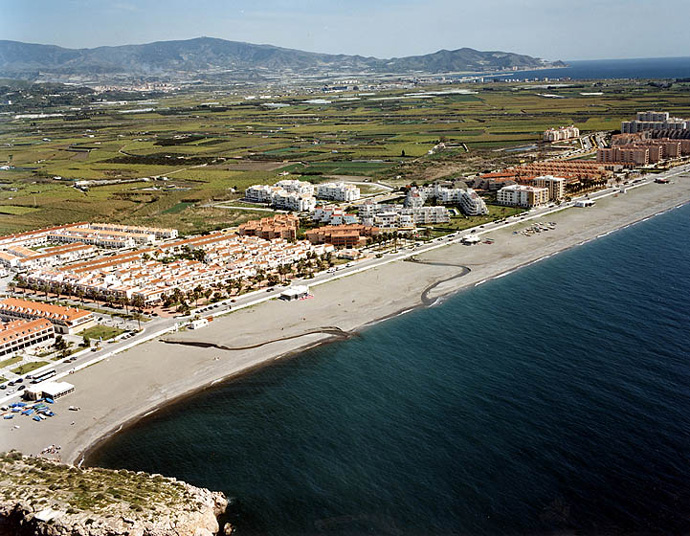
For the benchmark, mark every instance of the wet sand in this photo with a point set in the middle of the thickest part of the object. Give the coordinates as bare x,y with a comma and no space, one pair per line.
127,386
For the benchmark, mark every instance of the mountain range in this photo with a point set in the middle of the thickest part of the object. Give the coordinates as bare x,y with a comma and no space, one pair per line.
211,58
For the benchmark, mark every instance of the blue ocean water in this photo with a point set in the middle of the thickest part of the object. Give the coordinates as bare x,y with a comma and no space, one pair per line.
554,399
641,68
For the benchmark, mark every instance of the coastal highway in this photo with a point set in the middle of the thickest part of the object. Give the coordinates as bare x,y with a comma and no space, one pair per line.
158,327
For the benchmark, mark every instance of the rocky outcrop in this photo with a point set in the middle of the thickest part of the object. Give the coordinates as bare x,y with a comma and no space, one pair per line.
44,498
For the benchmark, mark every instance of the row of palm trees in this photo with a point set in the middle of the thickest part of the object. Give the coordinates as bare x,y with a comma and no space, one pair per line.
216,291
59,289
304,268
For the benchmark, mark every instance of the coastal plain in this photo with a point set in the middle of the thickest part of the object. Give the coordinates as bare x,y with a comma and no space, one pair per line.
128,386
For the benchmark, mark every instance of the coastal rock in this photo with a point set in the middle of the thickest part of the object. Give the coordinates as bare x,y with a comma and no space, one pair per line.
45,498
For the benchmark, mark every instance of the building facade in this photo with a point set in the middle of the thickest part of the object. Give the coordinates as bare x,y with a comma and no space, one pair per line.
522,196
18,335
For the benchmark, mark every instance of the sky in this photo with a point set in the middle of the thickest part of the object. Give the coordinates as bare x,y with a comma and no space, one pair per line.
553,29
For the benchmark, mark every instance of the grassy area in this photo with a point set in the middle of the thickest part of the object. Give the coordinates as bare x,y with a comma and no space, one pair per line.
25,369
101,332
11,361
17,210
459,223
179,207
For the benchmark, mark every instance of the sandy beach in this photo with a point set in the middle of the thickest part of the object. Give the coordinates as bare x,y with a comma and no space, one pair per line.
130,385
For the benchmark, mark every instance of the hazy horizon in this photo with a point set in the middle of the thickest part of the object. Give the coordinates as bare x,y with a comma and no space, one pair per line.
591,30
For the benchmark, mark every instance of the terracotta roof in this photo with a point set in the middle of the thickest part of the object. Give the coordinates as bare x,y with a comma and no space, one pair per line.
18,329
43,310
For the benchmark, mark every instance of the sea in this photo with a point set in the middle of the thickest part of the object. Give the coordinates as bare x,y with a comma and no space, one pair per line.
553,400
644,68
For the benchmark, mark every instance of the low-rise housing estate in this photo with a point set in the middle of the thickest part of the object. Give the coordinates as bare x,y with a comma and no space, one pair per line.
64,319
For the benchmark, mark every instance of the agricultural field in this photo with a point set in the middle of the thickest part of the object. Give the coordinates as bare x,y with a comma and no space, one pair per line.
169,164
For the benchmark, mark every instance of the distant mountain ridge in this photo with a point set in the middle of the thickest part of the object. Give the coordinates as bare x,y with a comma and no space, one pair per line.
206,56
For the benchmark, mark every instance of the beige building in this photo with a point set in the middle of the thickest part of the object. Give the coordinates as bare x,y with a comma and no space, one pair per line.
522,196
555,186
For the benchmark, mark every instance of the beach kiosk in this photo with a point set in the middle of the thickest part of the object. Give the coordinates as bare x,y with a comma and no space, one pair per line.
53,390
470,240
297,292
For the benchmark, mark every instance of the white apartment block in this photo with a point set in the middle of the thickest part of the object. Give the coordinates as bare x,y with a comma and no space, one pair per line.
522,196
296,198
467,199
338,191
473,205
292,201
561,133
651,120
331,215
299,187
259,193
399,217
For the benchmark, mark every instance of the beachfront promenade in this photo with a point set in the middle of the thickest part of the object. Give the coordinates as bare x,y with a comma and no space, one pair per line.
133,379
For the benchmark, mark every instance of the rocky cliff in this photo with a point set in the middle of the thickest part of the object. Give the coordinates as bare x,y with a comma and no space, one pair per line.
39,497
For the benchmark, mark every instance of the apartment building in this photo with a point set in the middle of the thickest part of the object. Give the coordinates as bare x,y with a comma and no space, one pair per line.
342,236
333,215
522,196
280,226
294,199
561,133
554,185
64,319
338,191
651,120
18,335
627,155
302,188
400,217
465,198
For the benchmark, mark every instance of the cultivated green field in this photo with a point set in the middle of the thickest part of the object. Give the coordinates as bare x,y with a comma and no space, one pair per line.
211,153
